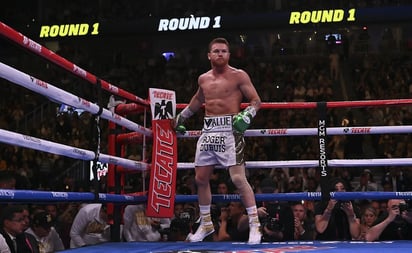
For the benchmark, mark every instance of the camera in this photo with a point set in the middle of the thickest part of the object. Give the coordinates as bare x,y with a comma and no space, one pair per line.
272,221
181,225
185,216
274,224
403,207
341,204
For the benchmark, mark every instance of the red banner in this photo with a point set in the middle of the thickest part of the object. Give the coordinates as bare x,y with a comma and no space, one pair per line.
162,188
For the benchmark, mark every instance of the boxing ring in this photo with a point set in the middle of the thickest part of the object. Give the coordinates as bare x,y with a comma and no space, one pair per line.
138,132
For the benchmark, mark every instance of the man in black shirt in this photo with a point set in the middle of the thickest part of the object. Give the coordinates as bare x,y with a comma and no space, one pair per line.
304,225
395,224
234,223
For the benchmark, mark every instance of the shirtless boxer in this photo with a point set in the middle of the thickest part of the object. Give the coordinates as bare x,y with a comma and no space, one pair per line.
222,90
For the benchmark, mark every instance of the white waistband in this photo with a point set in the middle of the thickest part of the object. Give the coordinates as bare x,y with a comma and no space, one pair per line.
217,123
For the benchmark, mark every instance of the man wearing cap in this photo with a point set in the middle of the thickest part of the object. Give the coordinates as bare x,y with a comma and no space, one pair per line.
46,235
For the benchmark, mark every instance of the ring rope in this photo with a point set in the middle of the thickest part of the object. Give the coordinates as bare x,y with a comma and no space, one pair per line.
52,196
313,131
315,163
62,96
65,150
336,104
331,104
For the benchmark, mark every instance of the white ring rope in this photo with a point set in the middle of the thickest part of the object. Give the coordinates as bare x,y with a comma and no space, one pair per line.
69,151
315,163
314,131
56,94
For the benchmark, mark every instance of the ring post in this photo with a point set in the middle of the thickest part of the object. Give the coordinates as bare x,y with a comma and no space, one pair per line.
162,188
323,154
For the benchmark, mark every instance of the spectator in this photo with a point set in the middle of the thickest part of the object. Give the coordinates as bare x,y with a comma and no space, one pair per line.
366,182
178,210
369,215
64,222
90,226
222,189
26,217
267,185
139,227
42,229
395,224
334,64
353,148
304,226
395,179
7,180
336,220
312,184
346,176
4,247
337,146
281,178
186,221
179,229
52,210
182,223
12,228
299,92
234,223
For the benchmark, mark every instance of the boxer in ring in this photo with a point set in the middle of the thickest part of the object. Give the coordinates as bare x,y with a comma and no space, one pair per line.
222,90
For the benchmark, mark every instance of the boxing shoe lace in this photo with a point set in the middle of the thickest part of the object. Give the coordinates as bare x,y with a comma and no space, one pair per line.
255,234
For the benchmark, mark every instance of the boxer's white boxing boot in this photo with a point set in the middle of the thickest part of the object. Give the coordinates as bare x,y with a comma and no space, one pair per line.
255,229
255,234
205,228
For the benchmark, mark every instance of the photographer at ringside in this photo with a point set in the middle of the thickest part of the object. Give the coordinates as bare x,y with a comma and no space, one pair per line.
181,226
276,217
336,220
395,224
277,221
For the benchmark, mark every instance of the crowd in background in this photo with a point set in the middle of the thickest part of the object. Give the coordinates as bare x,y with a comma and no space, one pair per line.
379,80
